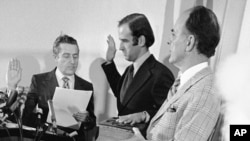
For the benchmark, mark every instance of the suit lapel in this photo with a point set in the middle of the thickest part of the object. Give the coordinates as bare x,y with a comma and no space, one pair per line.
140,78
51,82
77,84
198,76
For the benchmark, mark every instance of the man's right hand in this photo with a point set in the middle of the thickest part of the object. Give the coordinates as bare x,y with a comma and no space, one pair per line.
110,55
14,73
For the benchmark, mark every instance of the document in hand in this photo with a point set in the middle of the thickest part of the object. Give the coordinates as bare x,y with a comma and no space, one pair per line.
66,102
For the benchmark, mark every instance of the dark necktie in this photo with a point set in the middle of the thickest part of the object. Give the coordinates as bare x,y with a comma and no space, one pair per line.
126,82
65,82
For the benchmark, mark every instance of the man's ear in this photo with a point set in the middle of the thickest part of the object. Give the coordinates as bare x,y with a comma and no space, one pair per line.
190,43
141,41
55,57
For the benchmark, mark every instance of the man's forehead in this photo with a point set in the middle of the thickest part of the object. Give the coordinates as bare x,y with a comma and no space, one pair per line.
70,48
124,29
181,21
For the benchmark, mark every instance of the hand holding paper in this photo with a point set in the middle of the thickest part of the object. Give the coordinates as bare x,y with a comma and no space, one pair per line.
81,116
68,102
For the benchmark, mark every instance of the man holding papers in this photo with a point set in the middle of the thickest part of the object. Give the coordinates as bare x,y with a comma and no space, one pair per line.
42,88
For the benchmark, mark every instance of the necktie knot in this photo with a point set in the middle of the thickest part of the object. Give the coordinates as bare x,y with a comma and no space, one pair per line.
65,82
177,82
175,85
131,70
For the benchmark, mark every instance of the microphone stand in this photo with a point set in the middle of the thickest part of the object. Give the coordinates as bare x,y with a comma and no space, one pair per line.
19,104
53,117
44,129
39,127
20,126
11,111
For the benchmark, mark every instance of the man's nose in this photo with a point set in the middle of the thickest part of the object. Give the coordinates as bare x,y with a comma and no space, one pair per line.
121,46
72,60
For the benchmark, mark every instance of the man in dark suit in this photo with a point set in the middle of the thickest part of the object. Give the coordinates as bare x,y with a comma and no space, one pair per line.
139,97
42,88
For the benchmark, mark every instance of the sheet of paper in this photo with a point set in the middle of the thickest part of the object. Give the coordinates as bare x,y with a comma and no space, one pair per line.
66,102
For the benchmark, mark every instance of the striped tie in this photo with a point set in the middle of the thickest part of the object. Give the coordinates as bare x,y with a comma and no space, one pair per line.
175,86
65,82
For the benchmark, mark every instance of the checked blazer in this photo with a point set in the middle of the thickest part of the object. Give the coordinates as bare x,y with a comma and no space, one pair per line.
190,114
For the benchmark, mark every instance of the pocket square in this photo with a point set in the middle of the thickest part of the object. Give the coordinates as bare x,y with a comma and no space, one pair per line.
171,108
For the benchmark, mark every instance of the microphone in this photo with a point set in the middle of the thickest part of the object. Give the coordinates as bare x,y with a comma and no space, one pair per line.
3,98
22,93
39,128
72,134
10,105
39,113
19,97
53,115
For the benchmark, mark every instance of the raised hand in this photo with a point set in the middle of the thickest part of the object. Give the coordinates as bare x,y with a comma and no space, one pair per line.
14,73
110,54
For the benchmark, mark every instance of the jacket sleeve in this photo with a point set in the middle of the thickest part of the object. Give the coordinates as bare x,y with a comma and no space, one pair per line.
91,119
162,84
112,76
32,99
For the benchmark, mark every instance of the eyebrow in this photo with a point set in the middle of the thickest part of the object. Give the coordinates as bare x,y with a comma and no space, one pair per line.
124,40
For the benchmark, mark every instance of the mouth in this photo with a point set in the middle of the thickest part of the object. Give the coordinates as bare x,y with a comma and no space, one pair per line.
72,68
124,53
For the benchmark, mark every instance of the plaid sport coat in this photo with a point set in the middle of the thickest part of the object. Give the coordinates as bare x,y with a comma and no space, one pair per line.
189,115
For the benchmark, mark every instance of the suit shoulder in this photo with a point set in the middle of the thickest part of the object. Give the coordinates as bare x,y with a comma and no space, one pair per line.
86,84
41,75
161,67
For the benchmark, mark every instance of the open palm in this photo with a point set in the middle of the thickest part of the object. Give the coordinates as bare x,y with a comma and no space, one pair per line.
111,49
14,73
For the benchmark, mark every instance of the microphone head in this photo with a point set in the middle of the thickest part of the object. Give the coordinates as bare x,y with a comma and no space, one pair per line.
26,90
3,97
22,98
20,89
39,110
22,94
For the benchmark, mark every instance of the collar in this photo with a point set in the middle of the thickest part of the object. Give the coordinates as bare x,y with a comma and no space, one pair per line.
59,76
185,76
138,62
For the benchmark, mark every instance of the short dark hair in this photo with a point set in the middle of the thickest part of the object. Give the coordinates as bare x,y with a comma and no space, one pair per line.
63,39
203,24
139,25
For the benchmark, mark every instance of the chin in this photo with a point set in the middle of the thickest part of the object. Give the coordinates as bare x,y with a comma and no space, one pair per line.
70,73
127,58
170,60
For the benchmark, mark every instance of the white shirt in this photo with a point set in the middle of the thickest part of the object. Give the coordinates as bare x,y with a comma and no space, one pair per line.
138,62
59,77
189,73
